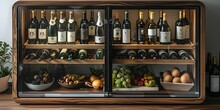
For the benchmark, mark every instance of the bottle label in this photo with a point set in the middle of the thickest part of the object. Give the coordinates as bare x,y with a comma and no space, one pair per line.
84,34
99,39
71,21
180,32
165,37
61,36
141,32
117,34
52,39
91,30
32,33
152,32
187,31
126,34
158,32
42,33
71,36
214,83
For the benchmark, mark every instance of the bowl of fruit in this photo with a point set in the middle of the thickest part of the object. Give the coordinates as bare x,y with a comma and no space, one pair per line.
96,82
72,81
40,81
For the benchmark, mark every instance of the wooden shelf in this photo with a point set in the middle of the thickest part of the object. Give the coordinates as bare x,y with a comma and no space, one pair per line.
59,61
151,61
153,46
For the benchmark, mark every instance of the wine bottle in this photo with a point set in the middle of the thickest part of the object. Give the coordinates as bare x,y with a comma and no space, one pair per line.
82,54
121,53
43,28
180,30
152,54
43,54
187,27
148,18
152,29
32,55
141,29
159,24
71,29
63,54
132,54
214,78
84,29
163,54
126,30
99,30
142,54
99,54
92,26
183,55
32,28
62,29
53,54
71,54
172,54
52,29
117,30
165,31
208,68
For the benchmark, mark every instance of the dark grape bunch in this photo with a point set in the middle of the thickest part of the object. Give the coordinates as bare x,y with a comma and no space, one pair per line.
42,77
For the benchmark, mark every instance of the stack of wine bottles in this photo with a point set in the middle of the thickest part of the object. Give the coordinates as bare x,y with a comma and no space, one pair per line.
64,54
151,54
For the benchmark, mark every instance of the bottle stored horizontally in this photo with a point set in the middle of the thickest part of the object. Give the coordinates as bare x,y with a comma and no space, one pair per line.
180,29
183,55
43,54
72,54
132,54
99,30
32,55
163,54
152,29
121,53
172,54
32,28
141,29
187,27
142,54
126,29
159,24
117,30
82,54
53,54
214,78
43,28
62,29
152,54
99,54
63,54
84,29
71,29
92,25
165,31
52,29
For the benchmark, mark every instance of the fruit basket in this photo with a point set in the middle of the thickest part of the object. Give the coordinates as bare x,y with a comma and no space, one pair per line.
72,81
39,87
177,86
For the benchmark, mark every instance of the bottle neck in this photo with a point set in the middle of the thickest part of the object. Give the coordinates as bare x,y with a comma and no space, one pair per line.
184,13
126,15
84,16
214,60
33,14
141,15
99,21
92,15
180,15
161,14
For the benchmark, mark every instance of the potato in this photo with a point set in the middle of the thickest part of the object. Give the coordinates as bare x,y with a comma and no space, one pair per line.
168,78
176,80
185,78
166,73
175,72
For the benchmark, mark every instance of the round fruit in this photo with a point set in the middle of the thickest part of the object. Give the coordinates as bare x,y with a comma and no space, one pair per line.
166,73
118,75
175,72
93,78
97,83
176,80
185,78
168,78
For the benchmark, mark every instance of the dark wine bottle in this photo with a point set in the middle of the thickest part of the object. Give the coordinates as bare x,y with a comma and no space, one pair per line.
63,54
32,28
142,54
152,54
43,54
141,29
152,29
52,29
126,29
62,29
117,30
121,53
165,31
99,30
148,18
82,54
43,28
187,27
84,29
180,30
183,55
71,29
53,54
159,24
92,25
72,54
99,54
208,68
33,54
132,54
214,78
163,54
172,54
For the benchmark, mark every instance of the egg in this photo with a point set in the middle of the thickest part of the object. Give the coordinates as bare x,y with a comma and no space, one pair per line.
176,80
168,78
175,72
166,73
185,78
